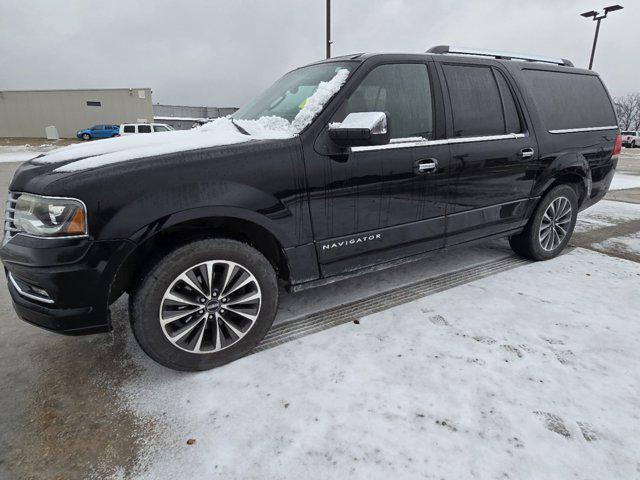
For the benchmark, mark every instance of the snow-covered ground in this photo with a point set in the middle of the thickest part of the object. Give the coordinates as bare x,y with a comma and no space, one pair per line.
622,181
624,244
533,376
22,153
607,213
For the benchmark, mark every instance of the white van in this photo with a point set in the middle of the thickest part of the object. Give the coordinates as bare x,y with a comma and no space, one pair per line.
132,128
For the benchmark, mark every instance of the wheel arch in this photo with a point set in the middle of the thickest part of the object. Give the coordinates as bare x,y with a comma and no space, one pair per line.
570,169
154,241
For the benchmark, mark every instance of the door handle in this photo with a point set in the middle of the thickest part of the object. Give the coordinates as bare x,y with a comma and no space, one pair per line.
526,153
428,165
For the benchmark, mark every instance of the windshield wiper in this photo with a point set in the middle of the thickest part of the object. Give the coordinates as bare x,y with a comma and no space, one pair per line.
240,129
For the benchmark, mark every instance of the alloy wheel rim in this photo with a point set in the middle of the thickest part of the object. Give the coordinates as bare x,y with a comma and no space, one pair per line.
210,306
555,223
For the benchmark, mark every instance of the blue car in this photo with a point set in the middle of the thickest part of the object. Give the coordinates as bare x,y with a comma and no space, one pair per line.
99,131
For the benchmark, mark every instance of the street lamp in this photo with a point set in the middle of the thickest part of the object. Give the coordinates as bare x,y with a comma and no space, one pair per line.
597,16
329,42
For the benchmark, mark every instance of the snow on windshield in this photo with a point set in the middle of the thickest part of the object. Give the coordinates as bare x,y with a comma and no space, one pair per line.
316,102
221,131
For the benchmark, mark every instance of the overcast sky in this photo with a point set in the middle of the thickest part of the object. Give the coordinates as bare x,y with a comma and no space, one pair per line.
223,52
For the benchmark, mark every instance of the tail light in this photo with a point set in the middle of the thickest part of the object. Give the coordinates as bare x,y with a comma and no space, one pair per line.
617,146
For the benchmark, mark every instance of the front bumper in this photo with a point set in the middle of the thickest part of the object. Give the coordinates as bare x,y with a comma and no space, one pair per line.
75,273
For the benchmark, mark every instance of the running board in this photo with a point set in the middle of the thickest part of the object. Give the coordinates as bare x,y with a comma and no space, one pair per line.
332,317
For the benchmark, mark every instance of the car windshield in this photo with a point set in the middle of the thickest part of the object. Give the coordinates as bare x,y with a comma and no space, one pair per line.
299,95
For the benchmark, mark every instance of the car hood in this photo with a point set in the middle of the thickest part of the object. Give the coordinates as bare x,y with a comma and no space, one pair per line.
222,131
41,171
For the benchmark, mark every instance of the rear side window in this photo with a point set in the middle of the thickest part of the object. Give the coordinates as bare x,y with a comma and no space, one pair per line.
144,128
129,129
481,101
570,100
401,90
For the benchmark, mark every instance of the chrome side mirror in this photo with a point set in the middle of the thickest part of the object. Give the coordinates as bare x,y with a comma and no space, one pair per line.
361,128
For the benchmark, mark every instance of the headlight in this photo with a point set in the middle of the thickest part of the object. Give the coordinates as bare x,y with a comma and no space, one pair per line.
49,216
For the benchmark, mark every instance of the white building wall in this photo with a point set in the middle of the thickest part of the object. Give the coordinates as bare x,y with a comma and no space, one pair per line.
27,113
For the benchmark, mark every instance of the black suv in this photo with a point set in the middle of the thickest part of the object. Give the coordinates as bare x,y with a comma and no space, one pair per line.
341,166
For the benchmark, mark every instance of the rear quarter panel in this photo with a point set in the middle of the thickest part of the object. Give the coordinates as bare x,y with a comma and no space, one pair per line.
584,154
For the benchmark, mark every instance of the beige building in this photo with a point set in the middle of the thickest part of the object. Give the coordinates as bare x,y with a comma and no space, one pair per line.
26,113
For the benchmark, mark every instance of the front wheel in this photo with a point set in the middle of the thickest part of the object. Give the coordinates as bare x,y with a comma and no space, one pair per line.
204,304
86,137
633,144
550,227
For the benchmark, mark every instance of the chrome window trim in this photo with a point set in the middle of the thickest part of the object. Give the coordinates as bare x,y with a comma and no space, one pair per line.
62,237
25,294
397,143
585,129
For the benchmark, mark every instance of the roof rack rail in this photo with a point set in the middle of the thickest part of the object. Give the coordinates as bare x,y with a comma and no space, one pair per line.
447,49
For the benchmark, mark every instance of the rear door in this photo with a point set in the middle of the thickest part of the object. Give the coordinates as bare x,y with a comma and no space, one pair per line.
376,203
493,153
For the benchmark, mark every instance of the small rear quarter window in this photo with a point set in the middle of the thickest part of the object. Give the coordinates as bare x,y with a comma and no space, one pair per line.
570,100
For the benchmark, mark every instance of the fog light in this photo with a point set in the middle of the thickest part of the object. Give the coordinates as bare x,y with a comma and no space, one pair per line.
30,291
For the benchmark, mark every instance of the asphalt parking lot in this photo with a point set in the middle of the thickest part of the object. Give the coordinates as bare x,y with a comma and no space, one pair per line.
62,413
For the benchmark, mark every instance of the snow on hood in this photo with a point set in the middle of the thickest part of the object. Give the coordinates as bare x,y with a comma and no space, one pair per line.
222,131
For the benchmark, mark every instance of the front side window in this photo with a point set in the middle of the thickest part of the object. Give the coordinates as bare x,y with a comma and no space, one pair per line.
160,128
403,92
96,127
297,97
628,133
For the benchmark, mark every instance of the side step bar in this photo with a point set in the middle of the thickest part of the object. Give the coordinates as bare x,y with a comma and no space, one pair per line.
316,322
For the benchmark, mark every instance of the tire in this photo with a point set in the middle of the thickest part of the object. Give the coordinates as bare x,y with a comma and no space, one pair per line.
220,335
534,242
86,137
633,144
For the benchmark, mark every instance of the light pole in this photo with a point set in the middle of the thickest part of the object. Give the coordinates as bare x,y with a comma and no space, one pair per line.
597,16
328,28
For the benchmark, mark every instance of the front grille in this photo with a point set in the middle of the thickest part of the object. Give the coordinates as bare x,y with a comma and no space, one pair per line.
10,229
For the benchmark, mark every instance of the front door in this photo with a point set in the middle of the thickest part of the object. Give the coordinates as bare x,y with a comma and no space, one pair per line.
100,131
493,154
380,203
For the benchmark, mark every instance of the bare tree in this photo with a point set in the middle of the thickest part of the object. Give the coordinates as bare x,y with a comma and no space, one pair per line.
628,110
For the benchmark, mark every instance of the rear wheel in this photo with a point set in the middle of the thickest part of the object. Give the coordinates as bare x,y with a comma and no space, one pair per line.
550,227
86,136
204,304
